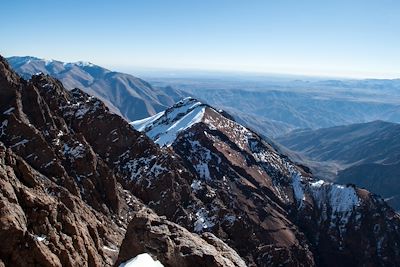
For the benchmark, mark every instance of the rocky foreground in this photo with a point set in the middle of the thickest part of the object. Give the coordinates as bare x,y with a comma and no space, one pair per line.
64,197
81,187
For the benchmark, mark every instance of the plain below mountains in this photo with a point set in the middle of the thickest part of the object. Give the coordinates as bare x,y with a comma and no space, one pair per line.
366,154
124,94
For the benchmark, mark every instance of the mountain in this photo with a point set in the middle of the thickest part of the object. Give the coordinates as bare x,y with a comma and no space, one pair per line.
70,193
366,154
81,187
124,94
274,107
253,193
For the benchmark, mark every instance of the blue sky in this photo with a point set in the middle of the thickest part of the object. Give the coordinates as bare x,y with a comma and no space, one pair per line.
355,38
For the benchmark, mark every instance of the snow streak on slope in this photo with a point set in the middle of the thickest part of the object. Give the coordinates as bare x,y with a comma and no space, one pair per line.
140,125
164,127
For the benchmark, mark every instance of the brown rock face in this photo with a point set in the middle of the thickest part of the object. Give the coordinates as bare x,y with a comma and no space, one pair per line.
43,224
173,245
68,168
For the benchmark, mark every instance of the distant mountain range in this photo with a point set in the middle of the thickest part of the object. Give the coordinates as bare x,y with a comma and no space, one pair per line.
366,154
287,104
271,107
124,94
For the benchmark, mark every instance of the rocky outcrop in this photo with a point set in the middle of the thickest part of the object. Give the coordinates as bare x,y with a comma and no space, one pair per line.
173,245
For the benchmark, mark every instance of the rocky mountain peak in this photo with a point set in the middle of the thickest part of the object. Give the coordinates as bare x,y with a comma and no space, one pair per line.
231,160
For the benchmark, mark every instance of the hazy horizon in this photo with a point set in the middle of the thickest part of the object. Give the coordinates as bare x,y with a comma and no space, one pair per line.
150,72
349,39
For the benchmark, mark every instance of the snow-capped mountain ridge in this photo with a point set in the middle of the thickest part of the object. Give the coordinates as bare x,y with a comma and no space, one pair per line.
16,61
229,158
164,127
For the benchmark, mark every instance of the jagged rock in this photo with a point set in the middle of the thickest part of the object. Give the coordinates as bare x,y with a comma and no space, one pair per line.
42,224
173,245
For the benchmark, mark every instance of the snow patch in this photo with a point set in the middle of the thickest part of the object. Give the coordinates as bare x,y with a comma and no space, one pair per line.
297,184
138,167
40,238
74,152
196,185
112,249
20,143
157,169
200,158
340,198
203,222
83,64
202,170
81,112
3,127
8,111
142,260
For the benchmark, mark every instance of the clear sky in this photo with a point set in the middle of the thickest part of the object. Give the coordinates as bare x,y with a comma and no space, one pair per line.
355,38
